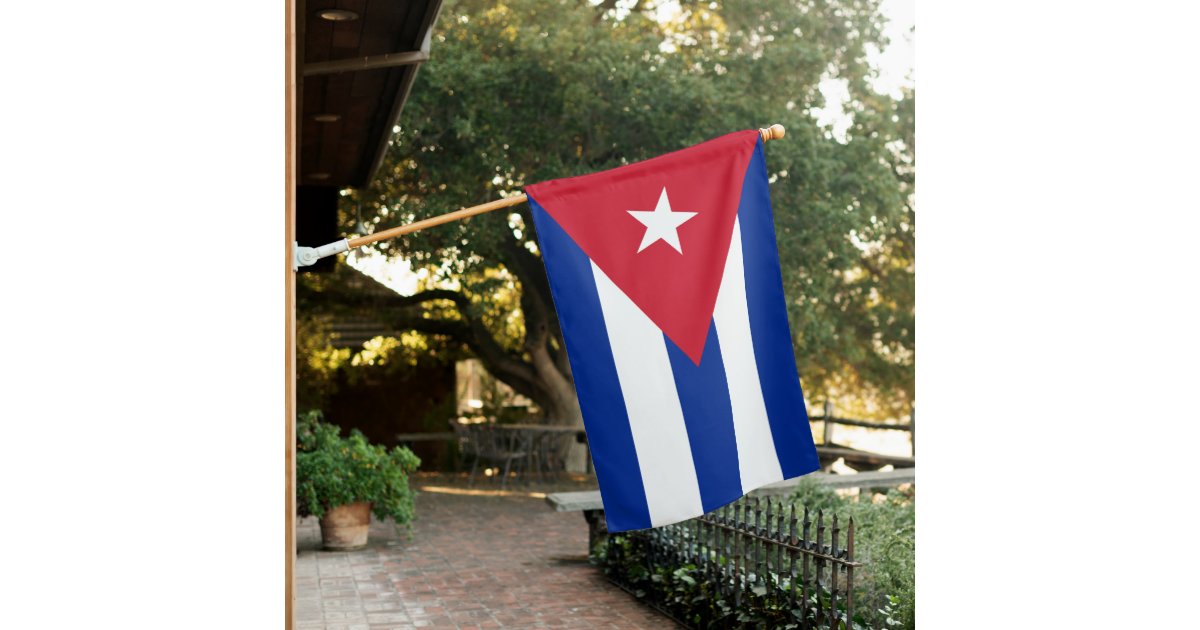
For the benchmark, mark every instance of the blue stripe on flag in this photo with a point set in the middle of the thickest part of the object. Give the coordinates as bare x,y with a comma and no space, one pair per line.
609,436
708,414
769,325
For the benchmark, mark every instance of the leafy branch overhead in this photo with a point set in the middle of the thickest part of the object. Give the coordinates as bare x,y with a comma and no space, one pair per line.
523,91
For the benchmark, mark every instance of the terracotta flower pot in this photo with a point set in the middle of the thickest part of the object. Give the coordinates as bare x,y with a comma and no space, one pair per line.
345,527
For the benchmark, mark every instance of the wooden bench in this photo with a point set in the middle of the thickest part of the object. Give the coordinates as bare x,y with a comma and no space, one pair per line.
592,507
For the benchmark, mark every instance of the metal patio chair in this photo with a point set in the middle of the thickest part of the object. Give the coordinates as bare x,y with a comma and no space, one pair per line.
492,445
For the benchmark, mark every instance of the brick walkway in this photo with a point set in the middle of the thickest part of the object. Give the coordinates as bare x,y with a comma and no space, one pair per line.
472,562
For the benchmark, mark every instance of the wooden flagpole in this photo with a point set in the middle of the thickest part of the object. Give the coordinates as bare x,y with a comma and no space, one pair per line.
457,215
308,256
774,132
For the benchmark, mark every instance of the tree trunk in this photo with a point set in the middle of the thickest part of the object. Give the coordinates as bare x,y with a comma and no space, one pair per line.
561,403
562,408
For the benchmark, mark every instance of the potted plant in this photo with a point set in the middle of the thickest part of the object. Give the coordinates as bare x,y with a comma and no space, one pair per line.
342,480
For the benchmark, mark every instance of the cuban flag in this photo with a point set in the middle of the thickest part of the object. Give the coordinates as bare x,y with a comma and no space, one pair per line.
666,278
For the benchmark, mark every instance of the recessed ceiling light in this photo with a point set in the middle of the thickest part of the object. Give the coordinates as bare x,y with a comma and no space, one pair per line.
337,15
327,117
318,175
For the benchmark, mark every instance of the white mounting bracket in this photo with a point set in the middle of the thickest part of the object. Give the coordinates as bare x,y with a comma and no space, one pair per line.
305,256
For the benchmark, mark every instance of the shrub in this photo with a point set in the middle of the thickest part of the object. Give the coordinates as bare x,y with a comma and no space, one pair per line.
885,542
690,596
332,471
884,587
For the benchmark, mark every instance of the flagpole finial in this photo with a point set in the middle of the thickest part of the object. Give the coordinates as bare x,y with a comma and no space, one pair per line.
774,132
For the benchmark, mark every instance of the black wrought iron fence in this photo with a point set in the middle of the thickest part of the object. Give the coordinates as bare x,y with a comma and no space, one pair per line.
759,557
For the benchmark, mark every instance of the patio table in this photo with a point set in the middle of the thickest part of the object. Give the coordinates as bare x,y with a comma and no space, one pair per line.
540,441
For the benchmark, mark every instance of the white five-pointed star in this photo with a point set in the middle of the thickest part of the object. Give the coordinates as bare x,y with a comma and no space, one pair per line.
662,224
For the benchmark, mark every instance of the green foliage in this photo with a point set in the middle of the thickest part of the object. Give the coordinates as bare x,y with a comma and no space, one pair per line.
522,91
317,361
885,542
884,592
687,593
332,470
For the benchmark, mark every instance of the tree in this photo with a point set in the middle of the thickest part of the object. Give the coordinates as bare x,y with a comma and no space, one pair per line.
523,91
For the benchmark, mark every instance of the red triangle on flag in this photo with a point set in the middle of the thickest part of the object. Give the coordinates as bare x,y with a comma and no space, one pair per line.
609,215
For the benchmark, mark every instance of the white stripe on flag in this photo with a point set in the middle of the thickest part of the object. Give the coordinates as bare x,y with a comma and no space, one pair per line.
652,401
755,446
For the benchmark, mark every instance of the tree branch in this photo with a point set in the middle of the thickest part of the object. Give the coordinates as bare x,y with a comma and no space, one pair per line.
516,373
506,366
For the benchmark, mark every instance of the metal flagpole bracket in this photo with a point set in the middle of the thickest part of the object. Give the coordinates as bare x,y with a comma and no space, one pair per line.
306,256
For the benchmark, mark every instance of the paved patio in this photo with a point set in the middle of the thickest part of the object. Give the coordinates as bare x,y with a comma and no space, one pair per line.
492,560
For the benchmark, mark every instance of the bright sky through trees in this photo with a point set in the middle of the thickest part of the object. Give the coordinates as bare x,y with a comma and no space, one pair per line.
894,64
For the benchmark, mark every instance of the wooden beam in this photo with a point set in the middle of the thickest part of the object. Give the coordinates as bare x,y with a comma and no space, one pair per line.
866,457
371,62
590,499
291,93
873,479
883,426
